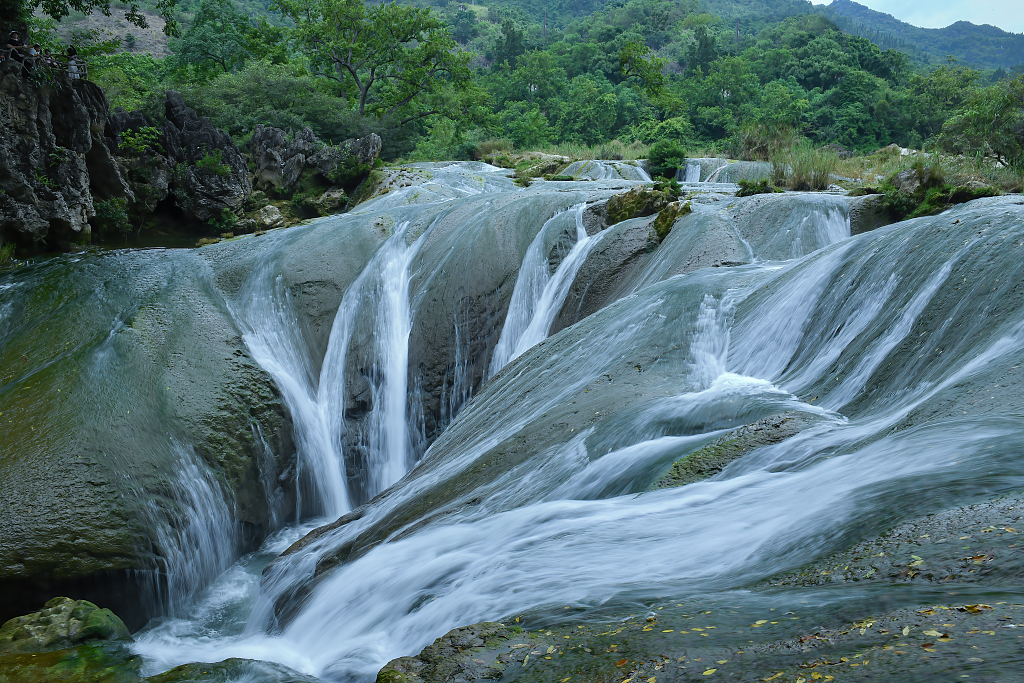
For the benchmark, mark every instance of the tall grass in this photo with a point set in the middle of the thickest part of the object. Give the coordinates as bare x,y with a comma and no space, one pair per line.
802,167
760,142
613,150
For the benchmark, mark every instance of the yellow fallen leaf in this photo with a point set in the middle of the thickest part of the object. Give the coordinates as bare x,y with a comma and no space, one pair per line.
722,661
710,671
651,679
772,678
565,679
932,632
759,622
975,609
815,675
929,649
906,630
551,649
668,630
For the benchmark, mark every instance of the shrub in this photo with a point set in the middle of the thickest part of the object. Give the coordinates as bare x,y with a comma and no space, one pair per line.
749,188
111,217
487,147
664,157
224,222
213,163
141,140
612,151
762,142
6,254
803,167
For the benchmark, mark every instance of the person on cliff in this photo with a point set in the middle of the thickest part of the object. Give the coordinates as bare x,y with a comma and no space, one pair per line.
15,48
73,64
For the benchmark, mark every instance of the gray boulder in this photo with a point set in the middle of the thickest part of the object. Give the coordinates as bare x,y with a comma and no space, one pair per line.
279,162
161,434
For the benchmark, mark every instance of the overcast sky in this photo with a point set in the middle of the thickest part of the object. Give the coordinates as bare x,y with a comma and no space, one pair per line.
1006,14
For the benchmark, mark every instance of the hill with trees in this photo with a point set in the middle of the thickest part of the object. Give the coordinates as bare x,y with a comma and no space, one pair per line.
985,46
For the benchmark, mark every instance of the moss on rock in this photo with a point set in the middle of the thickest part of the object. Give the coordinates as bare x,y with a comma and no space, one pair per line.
712,458
667,218
62,623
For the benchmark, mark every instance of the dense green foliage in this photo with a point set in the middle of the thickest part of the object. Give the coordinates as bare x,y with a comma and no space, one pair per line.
746,78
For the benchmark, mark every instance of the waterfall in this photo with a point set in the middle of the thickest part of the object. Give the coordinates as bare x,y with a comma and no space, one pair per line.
389,450
317,401
692,174
539,494
197,537
539,294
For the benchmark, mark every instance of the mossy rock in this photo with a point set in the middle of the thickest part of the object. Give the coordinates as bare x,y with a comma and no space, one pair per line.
231,670
667,218
712,458
62,623
640,201
559,178
456,653
90,663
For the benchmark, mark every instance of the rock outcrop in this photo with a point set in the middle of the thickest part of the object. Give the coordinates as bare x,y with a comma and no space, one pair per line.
62,623
198,164
280,162
53,160
136,427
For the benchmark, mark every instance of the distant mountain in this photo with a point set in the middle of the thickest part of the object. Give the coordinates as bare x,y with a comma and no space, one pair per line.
981,46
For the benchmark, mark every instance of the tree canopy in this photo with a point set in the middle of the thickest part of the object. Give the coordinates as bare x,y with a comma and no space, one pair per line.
397,62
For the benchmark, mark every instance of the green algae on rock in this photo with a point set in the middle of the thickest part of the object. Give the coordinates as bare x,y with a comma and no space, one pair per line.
62,623
711,458
231,671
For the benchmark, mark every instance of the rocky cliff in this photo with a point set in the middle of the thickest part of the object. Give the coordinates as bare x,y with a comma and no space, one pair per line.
53,160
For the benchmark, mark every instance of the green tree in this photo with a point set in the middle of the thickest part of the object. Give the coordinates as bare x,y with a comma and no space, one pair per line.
588,112
219,37
399,62
703,51
510,44
991,122
637,61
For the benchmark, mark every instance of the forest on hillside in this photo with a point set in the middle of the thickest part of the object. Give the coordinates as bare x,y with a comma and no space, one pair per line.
448,77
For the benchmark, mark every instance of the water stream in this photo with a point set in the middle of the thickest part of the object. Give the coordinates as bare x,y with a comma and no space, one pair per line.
894,345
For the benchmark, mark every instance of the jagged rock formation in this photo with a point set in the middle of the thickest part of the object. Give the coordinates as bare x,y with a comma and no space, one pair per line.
280,163
53,160
198,163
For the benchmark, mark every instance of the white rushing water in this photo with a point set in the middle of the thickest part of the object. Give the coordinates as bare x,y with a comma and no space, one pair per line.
539,293
568,525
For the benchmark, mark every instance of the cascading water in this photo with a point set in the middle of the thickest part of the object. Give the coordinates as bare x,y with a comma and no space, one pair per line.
691,173
199,540
390,449
537,495
539,294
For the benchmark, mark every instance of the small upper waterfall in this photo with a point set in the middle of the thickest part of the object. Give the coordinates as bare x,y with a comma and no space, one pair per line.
691,173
